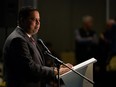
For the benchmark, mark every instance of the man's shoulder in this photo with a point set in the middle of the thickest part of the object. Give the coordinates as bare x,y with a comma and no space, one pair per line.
17,33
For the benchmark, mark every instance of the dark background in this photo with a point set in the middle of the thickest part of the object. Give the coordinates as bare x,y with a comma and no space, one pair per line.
59,19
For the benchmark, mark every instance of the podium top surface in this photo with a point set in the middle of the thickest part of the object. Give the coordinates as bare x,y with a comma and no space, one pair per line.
81,65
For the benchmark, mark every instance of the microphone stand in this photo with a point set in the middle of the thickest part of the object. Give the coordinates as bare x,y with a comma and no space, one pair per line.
58,69
59,62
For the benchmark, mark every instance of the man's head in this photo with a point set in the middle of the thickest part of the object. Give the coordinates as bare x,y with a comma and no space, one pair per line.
29,20
109,23
88,22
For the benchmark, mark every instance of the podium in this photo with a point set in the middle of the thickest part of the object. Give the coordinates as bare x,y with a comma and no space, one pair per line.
76,76
71,79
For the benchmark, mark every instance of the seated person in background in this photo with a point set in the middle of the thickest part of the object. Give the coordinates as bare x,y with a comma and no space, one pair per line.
85,40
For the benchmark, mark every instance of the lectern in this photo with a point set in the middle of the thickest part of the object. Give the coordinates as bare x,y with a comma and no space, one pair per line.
71,79
76,76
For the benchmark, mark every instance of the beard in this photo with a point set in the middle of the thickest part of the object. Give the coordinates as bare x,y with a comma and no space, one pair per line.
32,30
35,30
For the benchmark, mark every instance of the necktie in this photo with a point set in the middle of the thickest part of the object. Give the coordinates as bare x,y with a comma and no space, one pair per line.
32,40
37,49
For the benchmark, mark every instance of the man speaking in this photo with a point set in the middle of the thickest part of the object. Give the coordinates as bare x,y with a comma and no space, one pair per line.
24,60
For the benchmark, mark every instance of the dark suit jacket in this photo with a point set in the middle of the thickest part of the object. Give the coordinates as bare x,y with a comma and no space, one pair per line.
24,64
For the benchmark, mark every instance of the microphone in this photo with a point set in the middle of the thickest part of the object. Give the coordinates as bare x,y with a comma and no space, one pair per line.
43,45
48,52
59,62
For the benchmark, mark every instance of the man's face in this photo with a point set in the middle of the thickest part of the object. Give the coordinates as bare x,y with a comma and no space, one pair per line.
89,24
32,23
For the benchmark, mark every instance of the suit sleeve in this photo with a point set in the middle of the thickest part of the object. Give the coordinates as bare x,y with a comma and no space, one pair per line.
25,63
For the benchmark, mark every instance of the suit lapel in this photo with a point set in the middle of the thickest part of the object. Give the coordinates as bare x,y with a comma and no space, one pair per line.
35,48
41,53
38,51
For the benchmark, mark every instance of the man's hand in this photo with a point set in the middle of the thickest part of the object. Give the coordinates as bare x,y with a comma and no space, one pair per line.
68,64
63,69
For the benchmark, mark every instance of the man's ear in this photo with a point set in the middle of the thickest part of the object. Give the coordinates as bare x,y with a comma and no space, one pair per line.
21,21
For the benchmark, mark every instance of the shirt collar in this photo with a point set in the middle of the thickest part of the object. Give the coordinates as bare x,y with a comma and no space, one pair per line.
28,35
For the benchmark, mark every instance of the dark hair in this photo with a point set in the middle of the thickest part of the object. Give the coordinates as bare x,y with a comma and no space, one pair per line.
24,12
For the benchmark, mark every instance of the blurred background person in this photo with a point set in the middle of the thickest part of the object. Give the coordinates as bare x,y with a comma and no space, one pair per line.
105,41
111,61
86,40
104,52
